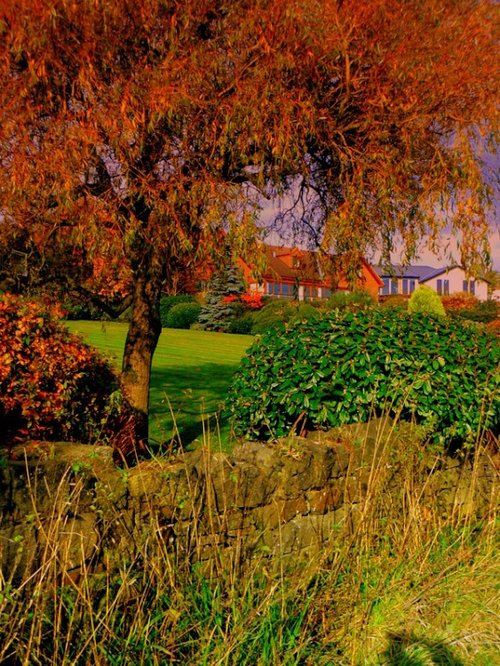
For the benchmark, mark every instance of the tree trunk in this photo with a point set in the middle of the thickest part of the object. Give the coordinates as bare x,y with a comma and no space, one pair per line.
142,338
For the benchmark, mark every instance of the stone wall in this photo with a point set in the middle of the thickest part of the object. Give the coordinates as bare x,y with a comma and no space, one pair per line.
291,500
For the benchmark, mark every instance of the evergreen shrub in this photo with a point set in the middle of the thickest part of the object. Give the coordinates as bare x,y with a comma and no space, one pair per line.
242,325
52,385
222,301
183,315
395,302
277,313
483,312
351,365
359,298
425,300
168,302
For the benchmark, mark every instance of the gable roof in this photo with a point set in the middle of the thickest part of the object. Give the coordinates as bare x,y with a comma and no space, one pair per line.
306,266
420,273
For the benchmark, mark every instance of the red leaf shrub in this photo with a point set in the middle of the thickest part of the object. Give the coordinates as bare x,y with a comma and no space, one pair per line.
52,385
460,300
252,300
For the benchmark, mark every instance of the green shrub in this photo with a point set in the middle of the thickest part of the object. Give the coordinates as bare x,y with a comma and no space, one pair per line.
425,300
52,385
242,325
394,302
168,302
359,298
76,309
351,365
183,315
279,312
482,312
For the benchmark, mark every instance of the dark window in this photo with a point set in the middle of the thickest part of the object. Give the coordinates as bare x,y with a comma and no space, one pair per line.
394,286
405,285
285,289
465,286
472,287
269,287
412,286
385,288
446,287
440,287
276,288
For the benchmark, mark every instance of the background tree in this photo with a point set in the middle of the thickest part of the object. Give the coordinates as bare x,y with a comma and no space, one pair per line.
133,130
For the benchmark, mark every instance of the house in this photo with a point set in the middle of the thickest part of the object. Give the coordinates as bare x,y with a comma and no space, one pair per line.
405,279
297,274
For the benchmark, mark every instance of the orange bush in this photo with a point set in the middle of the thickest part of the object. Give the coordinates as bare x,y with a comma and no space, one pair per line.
460,300
52,385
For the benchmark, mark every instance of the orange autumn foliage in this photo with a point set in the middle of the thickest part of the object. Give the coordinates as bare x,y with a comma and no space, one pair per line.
52,385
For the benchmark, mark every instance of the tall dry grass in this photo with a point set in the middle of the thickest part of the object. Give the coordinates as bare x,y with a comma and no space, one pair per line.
398,583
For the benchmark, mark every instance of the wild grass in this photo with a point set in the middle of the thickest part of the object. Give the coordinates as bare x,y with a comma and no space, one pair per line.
191,372
406,586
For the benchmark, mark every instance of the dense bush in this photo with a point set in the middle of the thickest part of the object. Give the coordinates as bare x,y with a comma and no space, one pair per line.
168,302
348,366
279,312
359,298
183,315
242,325
482,312
52,385
395,302
425,300
460,300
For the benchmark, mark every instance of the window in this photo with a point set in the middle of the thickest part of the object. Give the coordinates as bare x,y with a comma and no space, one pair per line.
412,286
394,286
326,292
469,286
385,288
440,287
270,288
276,288
405,285
446,287
285,289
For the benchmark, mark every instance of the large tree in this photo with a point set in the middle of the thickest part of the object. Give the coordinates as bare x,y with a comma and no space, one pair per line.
135,131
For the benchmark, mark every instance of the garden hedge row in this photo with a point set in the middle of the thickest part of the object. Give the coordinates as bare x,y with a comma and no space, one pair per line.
350,365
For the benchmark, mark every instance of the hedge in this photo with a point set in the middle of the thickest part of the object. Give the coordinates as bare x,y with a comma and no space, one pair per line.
351,365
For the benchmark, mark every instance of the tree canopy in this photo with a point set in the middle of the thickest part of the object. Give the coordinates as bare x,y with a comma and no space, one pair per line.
130,133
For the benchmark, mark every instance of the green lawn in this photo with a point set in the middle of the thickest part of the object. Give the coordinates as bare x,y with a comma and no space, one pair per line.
191,371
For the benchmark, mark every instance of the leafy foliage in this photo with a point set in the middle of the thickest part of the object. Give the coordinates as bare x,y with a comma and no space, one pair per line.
425,300
279,312
52,385
460,300
346,299
347,366
483,312
168,302
183,315
395,302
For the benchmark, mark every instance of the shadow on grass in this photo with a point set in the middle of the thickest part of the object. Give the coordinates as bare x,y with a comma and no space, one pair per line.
183,398
409,650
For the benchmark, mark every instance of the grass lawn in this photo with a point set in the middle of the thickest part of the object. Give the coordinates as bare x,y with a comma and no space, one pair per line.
191,372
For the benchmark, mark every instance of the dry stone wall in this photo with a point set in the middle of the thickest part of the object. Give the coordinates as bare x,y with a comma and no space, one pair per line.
288,501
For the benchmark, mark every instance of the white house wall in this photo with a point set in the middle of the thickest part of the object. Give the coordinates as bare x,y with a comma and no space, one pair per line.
456,277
